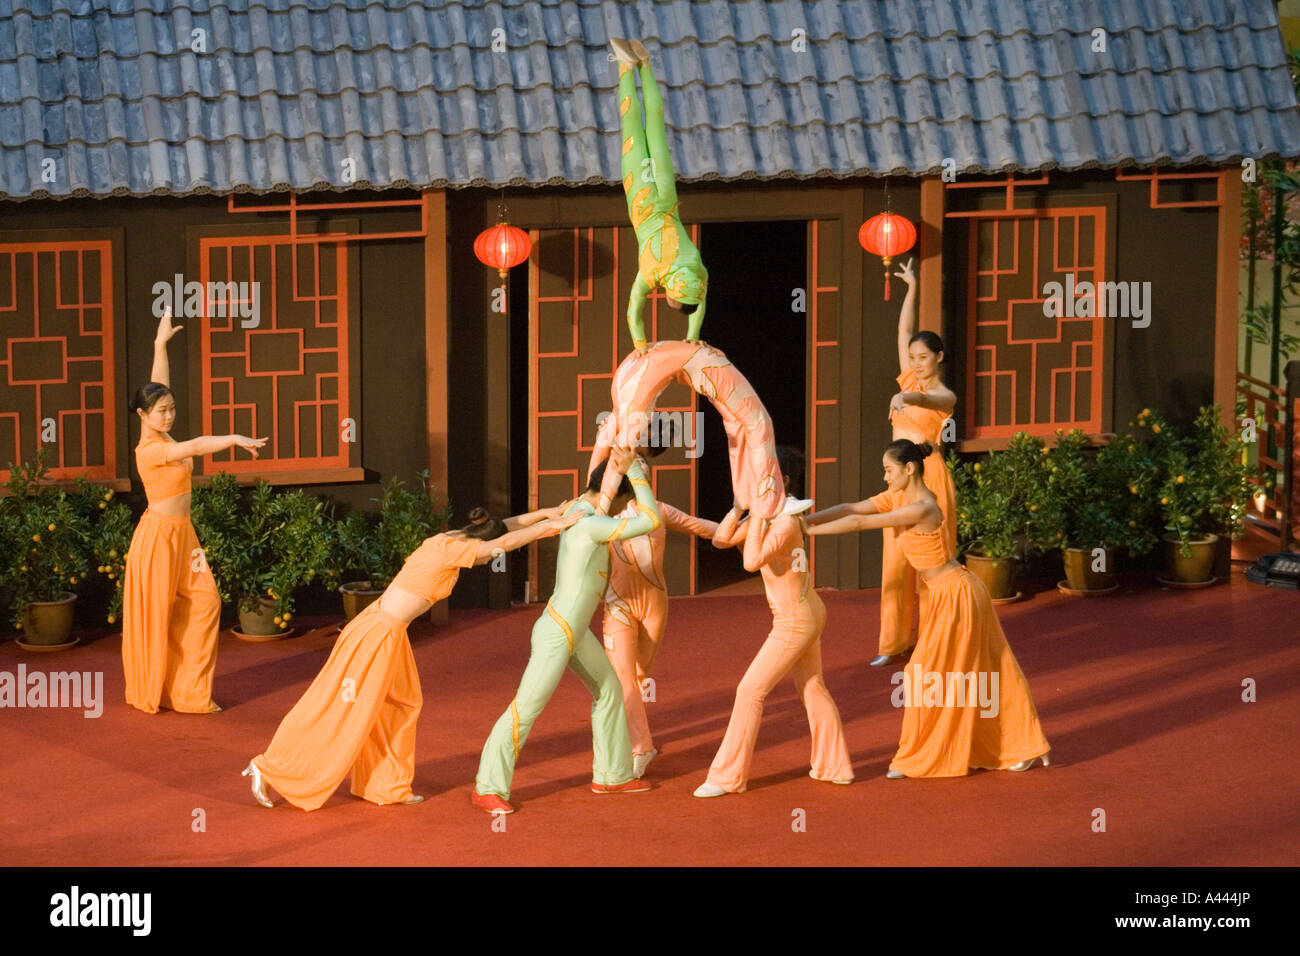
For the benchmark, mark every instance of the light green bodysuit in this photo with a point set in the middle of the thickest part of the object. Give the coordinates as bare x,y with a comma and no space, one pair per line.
561,638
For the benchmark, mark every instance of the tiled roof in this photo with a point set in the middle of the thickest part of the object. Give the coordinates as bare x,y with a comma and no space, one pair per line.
172,97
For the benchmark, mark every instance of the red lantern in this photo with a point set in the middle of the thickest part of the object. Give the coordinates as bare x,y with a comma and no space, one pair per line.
503,247
887,235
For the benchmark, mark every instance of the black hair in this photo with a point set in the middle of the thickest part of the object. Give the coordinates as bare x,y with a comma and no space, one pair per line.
597,478
689,307
483,526
790,460
905,452
147,395
929,340
659,425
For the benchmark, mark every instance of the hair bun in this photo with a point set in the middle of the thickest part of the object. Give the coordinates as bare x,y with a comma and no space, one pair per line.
479,515
925,448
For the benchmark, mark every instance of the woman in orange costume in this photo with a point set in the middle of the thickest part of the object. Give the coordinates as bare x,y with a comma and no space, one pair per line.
918,413
170,606
793,645
960,635
636,611
359,714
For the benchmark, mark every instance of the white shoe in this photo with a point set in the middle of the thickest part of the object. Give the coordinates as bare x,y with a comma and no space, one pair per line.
258,784
707,789
796,506
641,761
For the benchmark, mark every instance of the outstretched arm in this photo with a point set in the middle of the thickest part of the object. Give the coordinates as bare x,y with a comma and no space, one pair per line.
906,515
513,540
161,371
864,507
529,518
210,445
677,520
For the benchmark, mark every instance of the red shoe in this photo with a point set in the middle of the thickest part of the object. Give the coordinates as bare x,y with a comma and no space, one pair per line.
632,786
490,802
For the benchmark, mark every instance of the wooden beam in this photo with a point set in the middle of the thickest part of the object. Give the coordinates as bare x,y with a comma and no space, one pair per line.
1225,310
930,306
436,329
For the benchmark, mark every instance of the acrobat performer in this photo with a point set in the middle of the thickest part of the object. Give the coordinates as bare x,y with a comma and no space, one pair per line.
562,639
667,258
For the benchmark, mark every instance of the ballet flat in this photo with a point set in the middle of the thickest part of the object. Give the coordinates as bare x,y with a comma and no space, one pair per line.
842,783
895,775
884,660
258,784
1026,764
414,799
641,761
707,789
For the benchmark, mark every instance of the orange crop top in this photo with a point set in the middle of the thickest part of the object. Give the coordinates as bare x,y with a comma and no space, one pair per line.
923,549
431,570
161,478
927,421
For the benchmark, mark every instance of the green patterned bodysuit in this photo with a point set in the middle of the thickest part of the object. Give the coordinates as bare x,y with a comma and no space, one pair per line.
562,639
667,258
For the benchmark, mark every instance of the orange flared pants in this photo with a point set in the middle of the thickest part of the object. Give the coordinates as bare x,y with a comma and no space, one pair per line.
960,634
792,646
632,636
171,613
358,716
899,584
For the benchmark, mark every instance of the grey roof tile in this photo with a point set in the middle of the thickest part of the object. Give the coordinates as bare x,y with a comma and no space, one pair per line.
412,91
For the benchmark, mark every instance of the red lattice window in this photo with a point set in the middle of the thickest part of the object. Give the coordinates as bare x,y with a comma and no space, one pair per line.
57,358
1031,371
283,373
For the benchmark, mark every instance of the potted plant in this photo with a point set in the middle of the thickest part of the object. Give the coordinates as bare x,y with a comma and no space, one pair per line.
260,549
109,545
1003,511
369,552
1101,505
46,555
1203,488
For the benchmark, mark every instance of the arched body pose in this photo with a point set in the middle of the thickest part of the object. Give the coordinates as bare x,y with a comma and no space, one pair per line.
918,413
667,258
793,645
967,703
636,611
359,714
562,639
171,610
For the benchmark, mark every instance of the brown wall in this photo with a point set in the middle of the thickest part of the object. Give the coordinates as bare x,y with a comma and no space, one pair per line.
391,318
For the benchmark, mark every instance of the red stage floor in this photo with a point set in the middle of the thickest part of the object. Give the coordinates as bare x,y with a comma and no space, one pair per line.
1139,693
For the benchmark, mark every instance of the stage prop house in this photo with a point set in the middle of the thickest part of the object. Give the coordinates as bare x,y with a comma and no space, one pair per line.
305,187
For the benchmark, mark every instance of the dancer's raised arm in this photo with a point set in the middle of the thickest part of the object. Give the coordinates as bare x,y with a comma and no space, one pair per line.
603,528
161,371
906,314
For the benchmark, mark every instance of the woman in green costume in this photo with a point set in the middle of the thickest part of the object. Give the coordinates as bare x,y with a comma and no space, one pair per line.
562,640
667,258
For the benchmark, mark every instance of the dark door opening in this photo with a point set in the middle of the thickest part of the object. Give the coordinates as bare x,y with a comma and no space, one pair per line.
754,270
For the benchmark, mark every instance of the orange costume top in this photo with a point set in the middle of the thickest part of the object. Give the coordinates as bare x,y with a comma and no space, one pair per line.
927,421
637,564
161,478
785,570
923,549
431,570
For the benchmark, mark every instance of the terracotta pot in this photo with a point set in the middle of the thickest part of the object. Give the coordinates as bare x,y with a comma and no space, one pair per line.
1079,574
1199,567
261,622
48,622
357,596
998,574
